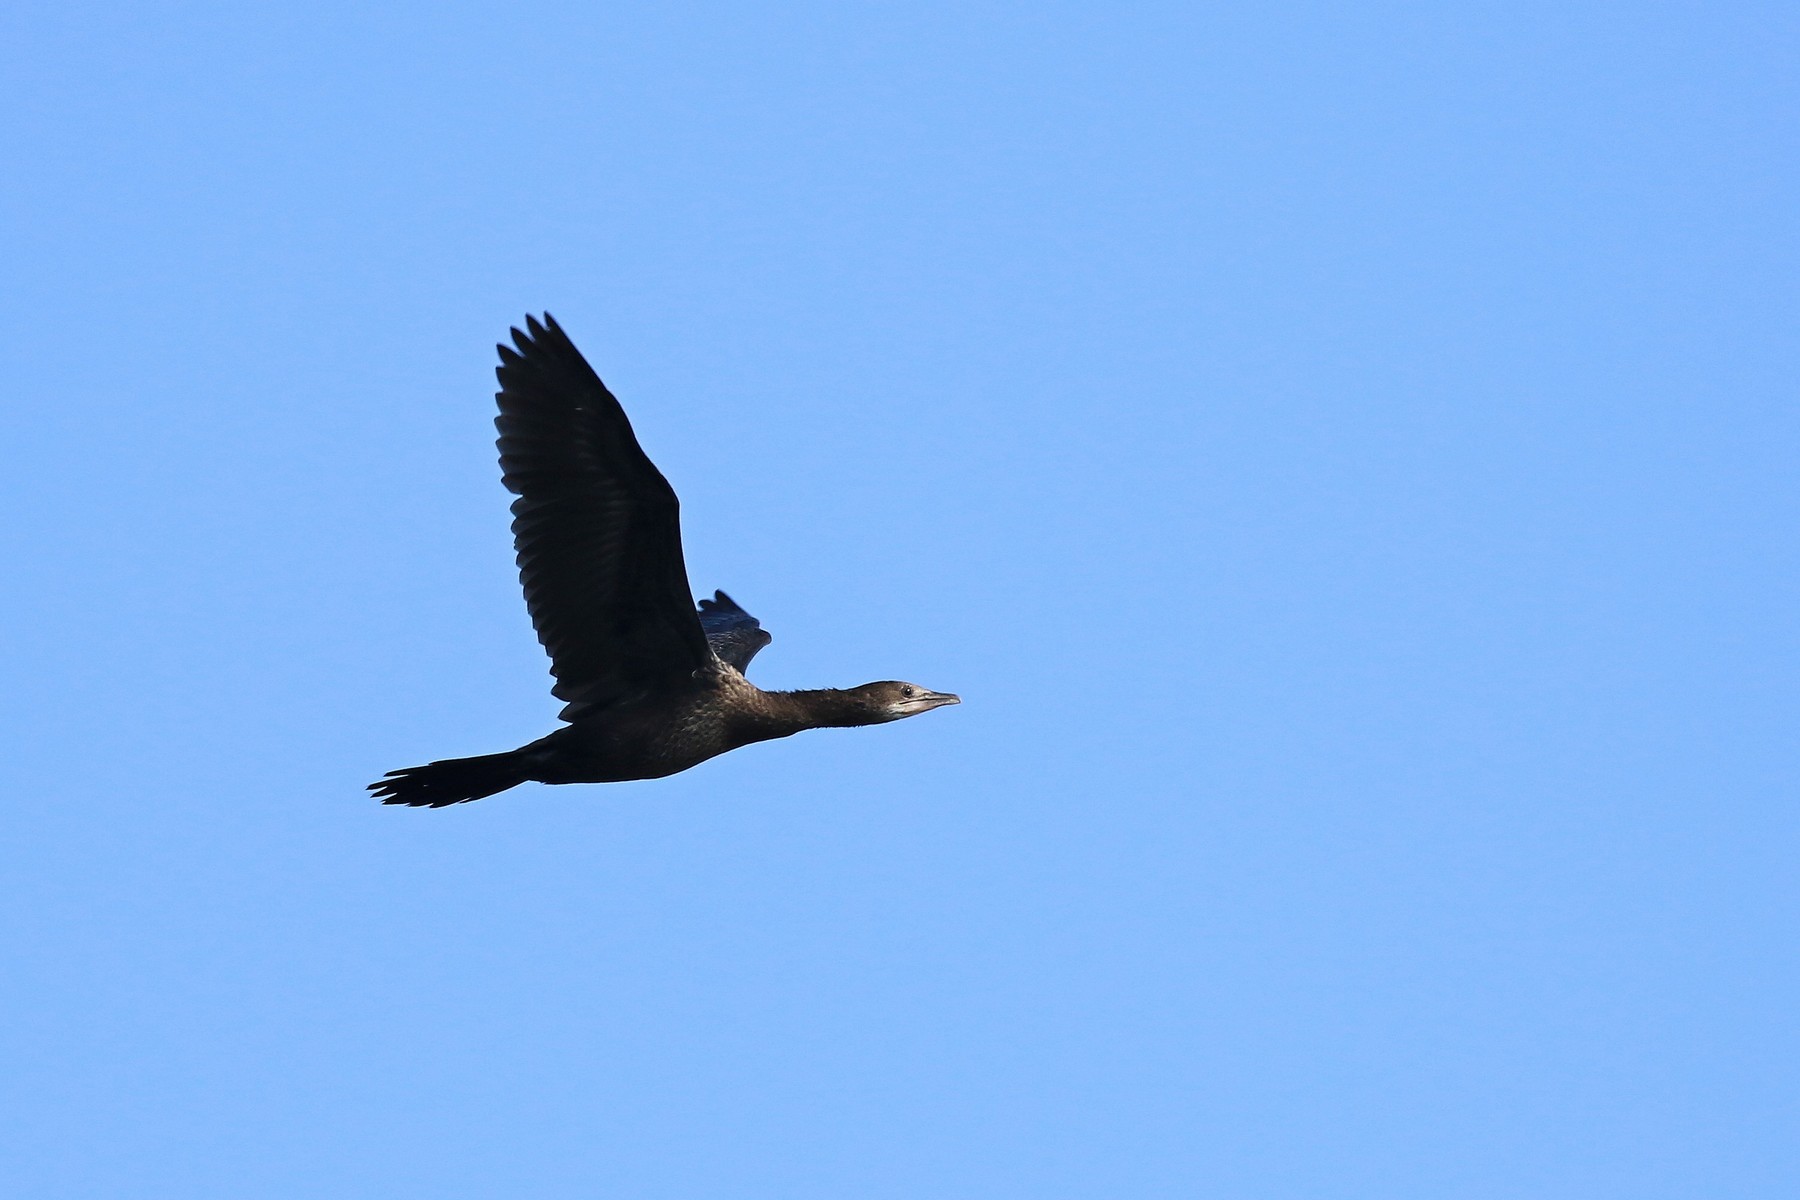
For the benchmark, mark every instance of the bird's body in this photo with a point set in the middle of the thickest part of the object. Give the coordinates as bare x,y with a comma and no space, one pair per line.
667,732
652,685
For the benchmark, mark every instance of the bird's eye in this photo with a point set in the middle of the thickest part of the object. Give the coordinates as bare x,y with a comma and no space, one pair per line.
906,693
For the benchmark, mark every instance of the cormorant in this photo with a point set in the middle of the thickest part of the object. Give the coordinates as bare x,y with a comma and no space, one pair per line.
650,684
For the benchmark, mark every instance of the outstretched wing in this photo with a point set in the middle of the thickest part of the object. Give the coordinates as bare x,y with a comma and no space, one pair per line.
596,526
734,634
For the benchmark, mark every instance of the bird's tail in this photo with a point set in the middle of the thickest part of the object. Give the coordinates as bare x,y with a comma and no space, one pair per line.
451,780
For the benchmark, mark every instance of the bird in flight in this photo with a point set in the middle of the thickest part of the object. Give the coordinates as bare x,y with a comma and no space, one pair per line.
651,684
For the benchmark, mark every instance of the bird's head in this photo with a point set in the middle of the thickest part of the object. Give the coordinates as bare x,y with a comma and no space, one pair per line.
891,700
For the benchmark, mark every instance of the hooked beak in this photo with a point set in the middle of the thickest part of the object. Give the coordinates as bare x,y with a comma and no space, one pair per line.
932,700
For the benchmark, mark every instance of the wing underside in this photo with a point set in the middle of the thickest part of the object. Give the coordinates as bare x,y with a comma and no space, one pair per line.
596,526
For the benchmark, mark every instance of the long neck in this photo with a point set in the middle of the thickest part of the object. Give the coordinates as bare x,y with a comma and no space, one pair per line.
822,708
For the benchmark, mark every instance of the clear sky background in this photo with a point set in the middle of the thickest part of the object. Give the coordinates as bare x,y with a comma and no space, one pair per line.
1343,455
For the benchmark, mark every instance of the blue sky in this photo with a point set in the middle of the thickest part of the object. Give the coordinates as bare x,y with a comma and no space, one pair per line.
1344,457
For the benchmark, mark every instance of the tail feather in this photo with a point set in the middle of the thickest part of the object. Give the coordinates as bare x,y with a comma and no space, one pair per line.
451,780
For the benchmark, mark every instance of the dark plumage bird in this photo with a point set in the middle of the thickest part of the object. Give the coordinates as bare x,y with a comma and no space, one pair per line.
650,684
